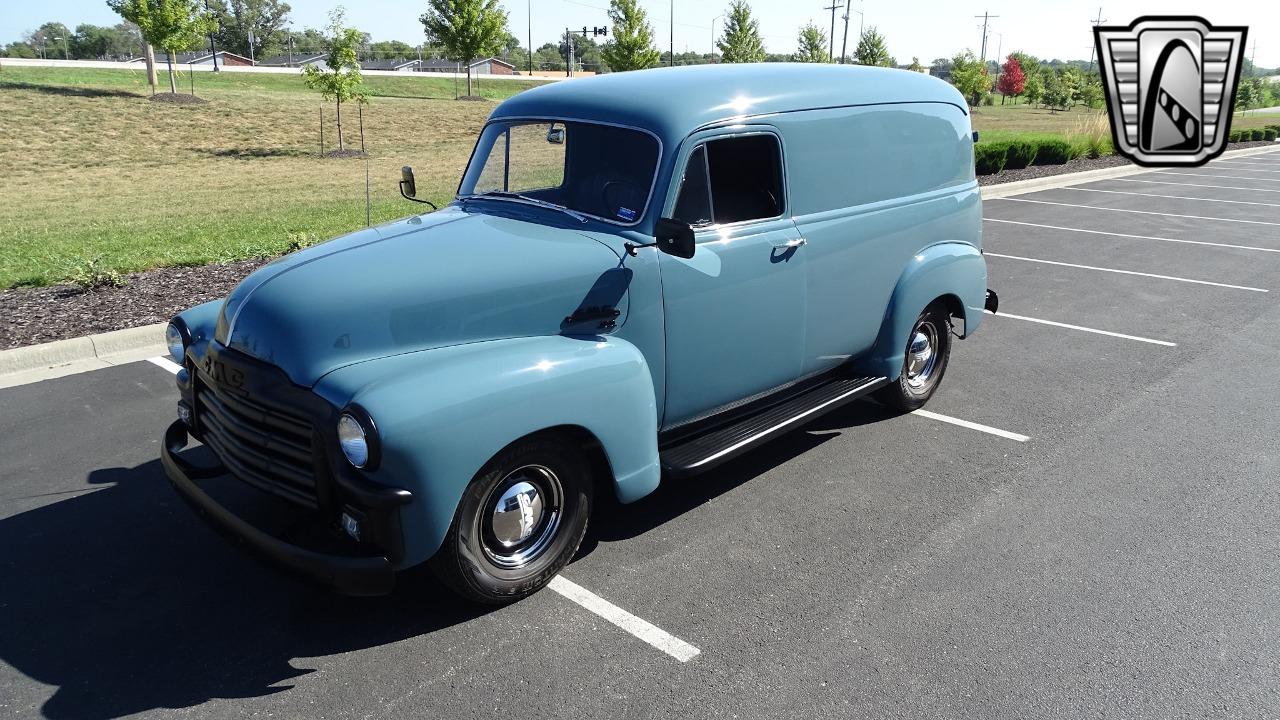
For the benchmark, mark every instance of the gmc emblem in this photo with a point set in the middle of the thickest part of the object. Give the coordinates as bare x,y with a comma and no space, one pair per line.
223,375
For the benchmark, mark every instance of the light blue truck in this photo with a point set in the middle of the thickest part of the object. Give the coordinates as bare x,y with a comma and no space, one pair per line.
642,276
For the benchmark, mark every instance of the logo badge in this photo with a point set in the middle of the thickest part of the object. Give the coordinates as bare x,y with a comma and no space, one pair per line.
1170,83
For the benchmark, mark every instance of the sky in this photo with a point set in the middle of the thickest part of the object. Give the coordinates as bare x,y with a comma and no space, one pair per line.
926,29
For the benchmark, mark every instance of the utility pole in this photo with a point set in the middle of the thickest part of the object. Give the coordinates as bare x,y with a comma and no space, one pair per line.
835,5
529,8
671,48
844,44
1093,46
713,36
999,47
986,17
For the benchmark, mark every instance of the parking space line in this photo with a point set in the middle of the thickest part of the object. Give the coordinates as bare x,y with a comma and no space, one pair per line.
1245,161
646,631
1200,185
1171,197
1081,328
1241,166
1136,237
165,363
1125,210
1224,177
1127,272
971,425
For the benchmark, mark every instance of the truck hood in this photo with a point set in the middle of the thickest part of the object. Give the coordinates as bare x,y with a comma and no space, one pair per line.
447,278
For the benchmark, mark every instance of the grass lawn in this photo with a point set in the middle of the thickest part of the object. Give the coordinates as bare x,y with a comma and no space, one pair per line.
94,170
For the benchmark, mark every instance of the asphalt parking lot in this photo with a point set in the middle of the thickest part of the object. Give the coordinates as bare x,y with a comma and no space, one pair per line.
1098,537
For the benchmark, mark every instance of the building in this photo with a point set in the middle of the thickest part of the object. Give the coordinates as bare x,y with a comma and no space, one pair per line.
487,66
394,64
296,60
201,57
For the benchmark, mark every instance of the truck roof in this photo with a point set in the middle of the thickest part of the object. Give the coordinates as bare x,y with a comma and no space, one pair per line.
673,102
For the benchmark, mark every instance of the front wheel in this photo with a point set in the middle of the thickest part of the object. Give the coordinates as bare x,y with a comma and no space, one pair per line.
927,352
519,523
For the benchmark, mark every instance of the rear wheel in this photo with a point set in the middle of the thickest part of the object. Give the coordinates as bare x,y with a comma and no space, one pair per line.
519,523
927,352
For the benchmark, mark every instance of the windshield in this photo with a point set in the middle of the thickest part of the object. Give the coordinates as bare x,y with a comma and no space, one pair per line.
597,170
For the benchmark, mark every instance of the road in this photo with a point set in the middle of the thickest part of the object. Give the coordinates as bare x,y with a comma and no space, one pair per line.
1121,562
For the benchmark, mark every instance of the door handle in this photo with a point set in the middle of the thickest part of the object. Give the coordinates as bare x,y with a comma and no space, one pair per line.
795,243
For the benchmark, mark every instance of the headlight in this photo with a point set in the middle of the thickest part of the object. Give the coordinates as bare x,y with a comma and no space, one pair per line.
353,440
176,341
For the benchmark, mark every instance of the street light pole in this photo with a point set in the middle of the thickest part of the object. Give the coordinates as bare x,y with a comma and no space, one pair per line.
529,10
713,36
671,50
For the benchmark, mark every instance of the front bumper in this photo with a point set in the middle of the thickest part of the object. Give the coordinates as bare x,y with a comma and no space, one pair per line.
349,575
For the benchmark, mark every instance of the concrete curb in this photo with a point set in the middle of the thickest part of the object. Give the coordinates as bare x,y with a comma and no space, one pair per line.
990,192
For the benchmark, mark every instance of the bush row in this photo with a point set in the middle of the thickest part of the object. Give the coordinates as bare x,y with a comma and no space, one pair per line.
992,157
1270,132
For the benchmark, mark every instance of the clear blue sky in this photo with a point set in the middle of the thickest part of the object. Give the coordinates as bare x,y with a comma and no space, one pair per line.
922,28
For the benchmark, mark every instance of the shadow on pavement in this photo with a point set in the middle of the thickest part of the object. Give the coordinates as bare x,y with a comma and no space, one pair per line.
124,601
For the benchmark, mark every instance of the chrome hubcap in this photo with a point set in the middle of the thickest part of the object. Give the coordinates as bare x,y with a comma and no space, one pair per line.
922,356
522,516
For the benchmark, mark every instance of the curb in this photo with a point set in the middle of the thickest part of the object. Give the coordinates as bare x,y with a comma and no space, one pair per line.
101,347
1018,187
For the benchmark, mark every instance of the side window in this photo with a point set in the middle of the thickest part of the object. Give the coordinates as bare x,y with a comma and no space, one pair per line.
746,178
693,205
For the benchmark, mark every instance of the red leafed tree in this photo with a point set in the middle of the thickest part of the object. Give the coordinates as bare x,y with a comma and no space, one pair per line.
1011,80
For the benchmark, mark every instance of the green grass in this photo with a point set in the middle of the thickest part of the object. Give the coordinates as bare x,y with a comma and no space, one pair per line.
95,171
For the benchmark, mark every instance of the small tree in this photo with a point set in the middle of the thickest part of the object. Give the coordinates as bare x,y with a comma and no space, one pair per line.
632,45
741,42
915,65
1055,95
342,81
169,24
970,77
1012,80
1072,84
1091,94
872,49
1033,89
467,29
812,43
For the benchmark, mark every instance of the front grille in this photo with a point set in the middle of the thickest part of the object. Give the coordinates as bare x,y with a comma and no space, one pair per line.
265,447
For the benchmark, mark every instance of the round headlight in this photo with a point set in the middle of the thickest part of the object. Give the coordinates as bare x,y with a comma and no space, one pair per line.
176,343
351,438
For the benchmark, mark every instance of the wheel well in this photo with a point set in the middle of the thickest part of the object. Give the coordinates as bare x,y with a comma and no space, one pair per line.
592,452
955,309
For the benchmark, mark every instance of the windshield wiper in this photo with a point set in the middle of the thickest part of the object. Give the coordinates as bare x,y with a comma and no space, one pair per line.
534,201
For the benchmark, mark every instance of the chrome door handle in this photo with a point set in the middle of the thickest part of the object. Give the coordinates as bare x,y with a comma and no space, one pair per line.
798,242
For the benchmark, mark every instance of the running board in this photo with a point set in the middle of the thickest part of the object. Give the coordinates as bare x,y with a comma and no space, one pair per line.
704,450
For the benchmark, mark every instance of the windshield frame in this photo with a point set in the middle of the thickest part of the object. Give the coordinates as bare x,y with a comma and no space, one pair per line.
653,183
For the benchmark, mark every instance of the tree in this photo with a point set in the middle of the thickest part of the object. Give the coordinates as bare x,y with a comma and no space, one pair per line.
467,29
169,24
970,77
1072,84
812,43
51,38
632,45
91,42
741,42
1033,89
941,67
19,50
342,81
1055,95
263,21
1011,81
389,50
915,65
872,49
1091,94
1247,95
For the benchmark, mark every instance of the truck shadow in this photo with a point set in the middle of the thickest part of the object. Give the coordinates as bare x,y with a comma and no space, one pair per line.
124,602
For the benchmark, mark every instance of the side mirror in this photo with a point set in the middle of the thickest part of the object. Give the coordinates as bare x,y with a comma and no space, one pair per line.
555,135
674,237
408,187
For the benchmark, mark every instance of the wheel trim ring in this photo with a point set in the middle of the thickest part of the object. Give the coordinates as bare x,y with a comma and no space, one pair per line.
536,543
920,376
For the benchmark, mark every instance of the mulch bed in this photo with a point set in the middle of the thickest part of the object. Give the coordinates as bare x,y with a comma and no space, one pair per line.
178,99
36,315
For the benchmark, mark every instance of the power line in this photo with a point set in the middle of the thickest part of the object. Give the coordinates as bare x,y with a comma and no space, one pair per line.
986,17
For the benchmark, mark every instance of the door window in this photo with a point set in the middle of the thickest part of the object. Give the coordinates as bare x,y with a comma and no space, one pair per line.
732,180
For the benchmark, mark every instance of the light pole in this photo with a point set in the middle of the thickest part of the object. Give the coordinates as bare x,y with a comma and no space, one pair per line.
66,54
713,36
671,49
529,11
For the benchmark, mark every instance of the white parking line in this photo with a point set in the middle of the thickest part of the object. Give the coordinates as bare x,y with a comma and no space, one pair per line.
1171,197
1246,161
1138,212
1135,237
1241,166
1220,187
1126,272
165,363
646,631
971,425
1224,177
1081,328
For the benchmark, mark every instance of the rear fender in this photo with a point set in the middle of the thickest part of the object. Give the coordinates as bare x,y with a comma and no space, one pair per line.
442,414
954,271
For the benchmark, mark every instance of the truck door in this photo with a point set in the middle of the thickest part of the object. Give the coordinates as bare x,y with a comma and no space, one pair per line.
735,311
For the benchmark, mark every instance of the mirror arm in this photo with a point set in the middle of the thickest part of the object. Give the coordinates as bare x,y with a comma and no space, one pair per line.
633,247
407,196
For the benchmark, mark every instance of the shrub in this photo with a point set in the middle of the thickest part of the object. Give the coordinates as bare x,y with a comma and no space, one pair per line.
1269,134
1054,151
989,158
1257,134
1020,154
988,99
91,275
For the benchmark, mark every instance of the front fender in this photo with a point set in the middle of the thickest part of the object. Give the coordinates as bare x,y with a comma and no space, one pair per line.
202,319
953,270
442,414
